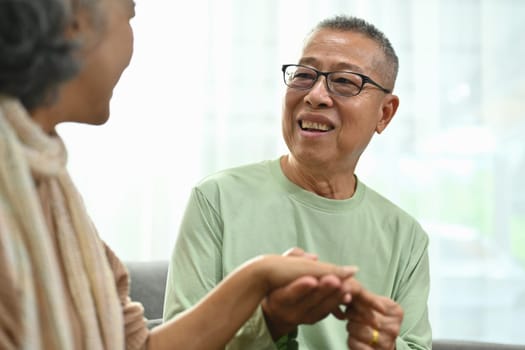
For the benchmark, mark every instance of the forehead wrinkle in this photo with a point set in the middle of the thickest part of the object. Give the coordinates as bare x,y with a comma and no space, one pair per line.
340,50
340,66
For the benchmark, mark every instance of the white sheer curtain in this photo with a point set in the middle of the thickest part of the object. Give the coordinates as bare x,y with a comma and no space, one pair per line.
204,91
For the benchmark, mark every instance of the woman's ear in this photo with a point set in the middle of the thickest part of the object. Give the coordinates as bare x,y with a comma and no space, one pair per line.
78,27
73,28
388,110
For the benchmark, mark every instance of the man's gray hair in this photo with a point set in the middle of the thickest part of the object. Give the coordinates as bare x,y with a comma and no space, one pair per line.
358,25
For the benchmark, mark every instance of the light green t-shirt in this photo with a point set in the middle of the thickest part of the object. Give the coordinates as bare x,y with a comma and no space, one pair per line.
246,211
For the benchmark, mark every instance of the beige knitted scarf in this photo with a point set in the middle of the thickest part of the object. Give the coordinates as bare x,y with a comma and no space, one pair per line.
27,156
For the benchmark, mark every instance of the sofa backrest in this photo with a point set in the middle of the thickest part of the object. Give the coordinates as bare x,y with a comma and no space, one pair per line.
148,285
442,344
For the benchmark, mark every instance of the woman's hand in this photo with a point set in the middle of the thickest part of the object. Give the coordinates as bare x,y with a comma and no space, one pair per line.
317,290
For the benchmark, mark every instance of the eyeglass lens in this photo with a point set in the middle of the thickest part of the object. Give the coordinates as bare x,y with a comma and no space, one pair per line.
340,83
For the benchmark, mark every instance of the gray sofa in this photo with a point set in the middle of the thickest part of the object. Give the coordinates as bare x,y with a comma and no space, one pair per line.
148,281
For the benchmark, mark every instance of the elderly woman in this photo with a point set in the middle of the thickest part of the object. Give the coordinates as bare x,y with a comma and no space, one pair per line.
63,288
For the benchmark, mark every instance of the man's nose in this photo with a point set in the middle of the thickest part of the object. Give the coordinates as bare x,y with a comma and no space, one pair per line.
319,93
321,82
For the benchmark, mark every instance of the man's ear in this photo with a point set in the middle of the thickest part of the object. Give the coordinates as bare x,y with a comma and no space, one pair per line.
388,110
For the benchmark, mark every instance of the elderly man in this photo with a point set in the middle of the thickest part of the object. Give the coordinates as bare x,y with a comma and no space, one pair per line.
339,94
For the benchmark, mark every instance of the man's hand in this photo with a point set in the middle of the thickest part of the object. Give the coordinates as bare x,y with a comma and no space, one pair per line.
374,321
304,301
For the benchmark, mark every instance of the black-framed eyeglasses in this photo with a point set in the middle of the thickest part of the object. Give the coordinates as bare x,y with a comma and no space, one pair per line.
342,83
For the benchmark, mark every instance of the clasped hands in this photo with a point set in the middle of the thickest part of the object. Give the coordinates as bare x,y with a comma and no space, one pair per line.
372,321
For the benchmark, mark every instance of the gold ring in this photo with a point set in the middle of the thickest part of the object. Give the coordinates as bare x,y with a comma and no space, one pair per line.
375,337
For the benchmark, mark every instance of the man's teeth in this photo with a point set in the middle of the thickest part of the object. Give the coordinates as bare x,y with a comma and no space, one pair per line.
305,124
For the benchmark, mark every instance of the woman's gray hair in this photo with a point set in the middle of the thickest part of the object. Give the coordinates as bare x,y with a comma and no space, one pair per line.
353,24
35,55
